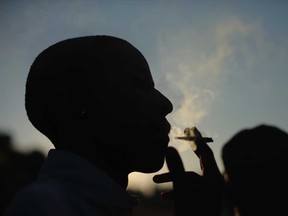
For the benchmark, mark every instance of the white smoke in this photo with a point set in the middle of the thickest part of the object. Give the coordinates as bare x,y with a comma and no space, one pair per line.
194,63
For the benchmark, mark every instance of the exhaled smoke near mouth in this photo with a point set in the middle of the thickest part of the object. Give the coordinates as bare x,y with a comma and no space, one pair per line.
195,63
189,114
190,89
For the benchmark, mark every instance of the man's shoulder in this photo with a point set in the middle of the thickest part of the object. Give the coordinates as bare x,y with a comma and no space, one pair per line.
38,190
34,198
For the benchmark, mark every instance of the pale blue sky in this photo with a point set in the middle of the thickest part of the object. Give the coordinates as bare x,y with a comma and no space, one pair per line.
223,64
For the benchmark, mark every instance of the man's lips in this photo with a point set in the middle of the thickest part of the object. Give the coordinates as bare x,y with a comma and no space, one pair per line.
159,127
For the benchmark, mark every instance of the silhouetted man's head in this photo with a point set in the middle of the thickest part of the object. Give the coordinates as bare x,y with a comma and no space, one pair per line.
256,161
92,93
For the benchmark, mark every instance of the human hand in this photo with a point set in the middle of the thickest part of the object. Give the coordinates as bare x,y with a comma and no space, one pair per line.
194,194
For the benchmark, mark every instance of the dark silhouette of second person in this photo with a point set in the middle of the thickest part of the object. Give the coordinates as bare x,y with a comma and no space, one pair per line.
255,161
95,99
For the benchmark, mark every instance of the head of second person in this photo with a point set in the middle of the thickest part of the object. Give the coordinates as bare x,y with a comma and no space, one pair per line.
95,96
255,161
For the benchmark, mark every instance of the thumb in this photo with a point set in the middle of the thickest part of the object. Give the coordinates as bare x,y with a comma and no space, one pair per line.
207,160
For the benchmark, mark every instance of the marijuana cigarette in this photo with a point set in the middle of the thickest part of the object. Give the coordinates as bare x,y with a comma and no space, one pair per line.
192,138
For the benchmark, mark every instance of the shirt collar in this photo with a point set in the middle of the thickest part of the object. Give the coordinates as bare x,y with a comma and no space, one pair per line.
83,177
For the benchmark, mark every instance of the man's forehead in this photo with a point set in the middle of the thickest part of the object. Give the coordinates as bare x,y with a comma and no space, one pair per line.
112,60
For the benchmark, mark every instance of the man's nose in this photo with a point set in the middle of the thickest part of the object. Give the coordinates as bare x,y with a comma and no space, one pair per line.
166,104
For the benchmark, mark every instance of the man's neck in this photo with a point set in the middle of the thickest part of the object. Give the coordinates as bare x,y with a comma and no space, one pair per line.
111,166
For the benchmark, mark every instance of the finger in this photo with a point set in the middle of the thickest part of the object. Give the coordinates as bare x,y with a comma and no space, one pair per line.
174,162
207,159
162,178
202,147
167,177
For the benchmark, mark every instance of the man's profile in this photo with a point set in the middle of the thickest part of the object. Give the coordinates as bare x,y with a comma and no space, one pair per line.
82,91
76,90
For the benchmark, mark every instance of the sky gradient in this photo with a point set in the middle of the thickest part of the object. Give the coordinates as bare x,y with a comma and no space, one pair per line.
223,64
